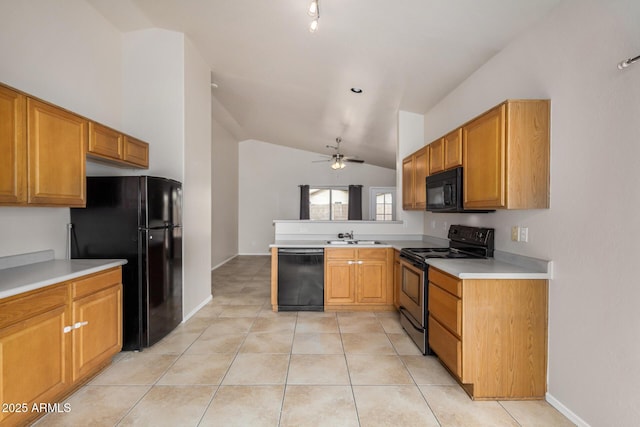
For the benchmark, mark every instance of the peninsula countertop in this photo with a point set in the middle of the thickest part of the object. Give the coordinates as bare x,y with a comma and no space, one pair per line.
503,266
42,270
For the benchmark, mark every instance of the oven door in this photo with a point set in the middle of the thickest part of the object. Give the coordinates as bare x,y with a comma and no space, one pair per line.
412,297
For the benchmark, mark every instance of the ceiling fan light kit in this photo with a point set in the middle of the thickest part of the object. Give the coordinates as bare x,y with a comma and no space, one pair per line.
338,160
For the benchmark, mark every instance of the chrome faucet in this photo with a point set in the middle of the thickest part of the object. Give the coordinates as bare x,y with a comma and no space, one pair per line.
346,235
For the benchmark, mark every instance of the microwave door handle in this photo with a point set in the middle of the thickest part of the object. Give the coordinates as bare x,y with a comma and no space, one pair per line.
448,193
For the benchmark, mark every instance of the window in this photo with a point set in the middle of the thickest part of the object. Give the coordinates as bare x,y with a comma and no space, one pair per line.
382,205
329,203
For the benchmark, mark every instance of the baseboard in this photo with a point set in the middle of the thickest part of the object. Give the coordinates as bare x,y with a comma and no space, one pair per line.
195,310
566,411
254,254
223,262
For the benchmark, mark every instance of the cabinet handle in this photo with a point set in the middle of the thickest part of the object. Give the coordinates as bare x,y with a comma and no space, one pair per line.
80,324
67,329
350,262
360,262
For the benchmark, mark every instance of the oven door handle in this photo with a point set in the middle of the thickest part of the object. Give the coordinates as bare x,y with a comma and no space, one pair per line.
408,317
416,265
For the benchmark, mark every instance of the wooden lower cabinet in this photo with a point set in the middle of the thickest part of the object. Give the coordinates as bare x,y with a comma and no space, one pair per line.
97,321
359,278
491,334
33,353
47,349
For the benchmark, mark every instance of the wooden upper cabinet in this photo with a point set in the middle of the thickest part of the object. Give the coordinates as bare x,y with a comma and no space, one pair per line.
436,156
415,169
56,155
484,160
446,152
136,152
421,170
115,148
104,142
407,184
506,157
453,149
13,146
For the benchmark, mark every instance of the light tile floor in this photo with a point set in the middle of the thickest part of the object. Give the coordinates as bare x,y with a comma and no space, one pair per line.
236,363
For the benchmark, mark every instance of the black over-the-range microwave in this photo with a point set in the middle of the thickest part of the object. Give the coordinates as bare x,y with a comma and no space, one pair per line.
444,192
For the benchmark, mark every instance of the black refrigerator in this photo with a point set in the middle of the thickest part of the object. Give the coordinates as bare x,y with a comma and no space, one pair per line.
137,218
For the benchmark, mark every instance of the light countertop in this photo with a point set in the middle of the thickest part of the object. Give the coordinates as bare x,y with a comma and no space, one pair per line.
24,278
487,269
502,266
396,244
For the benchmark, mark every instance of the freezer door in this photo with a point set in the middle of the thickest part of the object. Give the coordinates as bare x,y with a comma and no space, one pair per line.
163,201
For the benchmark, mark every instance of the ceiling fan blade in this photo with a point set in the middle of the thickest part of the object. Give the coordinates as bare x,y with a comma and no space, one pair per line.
354,160
321,161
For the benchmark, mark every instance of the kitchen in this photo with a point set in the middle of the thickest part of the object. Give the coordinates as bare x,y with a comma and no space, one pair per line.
570,57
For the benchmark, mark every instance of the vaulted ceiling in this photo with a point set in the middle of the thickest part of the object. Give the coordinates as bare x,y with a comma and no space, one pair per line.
279,83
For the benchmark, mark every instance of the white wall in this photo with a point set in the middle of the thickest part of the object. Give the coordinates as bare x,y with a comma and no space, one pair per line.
197,180
591,231
68,54
268,187
154,97
224,194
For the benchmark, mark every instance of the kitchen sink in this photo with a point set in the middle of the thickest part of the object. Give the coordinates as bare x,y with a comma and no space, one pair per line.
353,242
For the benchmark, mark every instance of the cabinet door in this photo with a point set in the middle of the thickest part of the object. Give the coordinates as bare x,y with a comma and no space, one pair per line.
484,160
339,282
13,146
436,156
33,362
421,170
105,142
407,184
372,282
56,155
453,149
97,334
136,152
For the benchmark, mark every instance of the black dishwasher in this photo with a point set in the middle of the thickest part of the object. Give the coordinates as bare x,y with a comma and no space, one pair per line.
301,279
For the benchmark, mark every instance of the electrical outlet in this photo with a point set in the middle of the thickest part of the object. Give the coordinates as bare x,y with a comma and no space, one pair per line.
515,233
524,234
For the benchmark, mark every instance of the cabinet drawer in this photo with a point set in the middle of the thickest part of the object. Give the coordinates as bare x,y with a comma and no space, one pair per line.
22,307
91,284
446,308
446,282
340,254
373,254
446,346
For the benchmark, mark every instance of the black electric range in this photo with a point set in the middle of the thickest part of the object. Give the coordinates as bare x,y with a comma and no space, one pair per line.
464,242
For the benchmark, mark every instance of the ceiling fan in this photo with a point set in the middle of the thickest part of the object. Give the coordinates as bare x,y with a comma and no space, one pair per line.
338,160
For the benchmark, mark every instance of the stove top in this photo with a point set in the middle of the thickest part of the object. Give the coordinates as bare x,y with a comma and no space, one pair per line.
464,242
424,253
